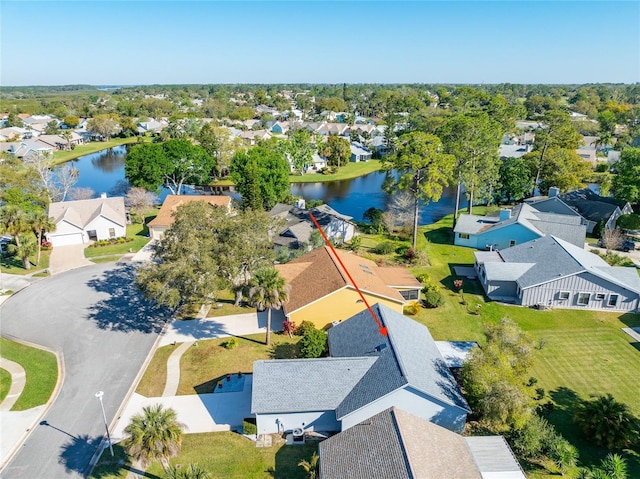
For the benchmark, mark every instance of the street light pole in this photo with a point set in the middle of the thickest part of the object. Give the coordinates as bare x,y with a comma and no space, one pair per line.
99,395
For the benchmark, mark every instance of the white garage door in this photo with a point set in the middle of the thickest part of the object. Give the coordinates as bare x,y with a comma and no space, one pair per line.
64,240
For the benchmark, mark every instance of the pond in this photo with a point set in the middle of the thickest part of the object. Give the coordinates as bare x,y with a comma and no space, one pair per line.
101,171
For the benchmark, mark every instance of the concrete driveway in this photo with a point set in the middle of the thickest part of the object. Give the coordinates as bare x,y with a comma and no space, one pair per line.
64,258
96,319
219,411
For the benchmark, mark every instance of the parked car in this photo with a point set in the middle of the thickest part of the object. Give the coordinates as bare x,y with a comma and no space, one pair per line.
625,245
5,241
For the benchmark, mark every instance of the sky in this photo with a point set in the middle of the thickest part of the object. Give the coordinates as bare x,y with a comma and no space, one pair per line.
178,42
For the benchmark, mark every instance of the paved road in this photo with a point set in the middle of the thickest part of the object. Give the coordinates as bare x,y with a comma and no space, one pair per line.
94,316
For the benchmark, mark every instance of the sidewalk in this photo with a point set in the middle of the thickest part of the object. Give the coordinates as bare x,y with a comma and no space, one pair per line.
232,325
15,282
220,411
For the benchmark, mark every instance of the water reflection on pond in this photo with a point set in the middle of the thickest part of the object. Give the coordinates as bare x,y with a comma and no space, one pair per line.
101,171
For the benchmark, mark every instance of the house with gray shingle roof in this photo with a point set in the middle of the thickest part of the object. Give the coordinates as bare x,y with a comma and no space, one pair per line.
395,444
365,374
551,272
81,221
595,208
518,225
298,226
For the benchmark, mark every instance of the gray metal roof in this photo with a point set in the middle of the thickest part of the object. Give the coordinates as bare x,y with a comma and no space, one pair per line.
506,271
395,444
292,385
408,356
494,458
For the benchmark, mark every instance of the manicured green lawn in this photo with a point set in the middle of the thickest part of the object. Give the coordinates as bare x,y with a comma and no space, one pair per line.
224,455
203,365
351,170
137,231
347,172
64,156
5,383
13,265
41,368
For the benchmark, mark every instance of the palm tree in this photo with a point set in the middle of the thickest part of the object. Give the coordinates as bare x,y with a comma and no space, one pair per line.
267,289
192,471
41,223
615,466
14,222
24,248
67,135
311,467
608,422
154,435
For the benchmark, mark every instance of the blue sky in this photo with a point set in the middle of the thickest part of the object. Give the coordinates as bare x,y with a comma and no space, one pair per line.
125,42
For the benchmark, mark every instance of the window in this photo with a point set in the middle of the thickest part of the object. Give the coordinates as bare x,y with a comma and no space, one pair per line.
409,294
583,298
600,296
512,243
563,295
463,236
613,300
112,232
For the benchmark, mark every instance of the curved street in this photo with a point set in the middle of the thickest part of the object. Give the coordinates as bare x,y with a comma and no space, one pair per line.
104,330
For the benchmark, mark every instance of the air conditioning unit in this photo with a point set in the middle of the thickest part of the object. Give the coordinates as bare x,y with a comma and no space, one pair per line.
298,435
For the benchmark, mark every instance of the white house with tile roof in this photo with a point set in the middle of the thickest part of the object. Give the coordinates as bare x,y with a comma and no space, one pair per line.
79,222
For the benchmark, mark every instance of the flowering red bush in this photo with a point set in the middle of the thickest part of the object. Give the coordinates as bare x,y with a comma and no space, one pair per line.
289,327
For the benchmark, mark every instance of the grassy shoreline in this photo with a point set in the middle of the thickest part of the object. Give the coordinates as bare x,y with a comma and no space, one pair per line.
60,157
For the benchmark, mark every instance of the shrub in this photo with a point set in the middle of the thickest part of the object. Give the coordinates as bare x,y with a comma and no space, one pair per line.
412,308
433,298
231,343
607,422
313,343
304,327
288,327
410,255
386,247
356,243
249,426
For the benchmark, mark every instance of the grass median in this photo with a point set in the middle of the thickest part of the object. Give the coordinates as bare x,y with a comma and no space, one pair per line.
41,368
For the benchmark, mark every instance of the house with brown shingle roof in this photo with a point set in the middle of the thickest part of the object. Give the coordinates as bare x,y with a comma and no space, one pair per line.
166,215
81,221
321,291
395,444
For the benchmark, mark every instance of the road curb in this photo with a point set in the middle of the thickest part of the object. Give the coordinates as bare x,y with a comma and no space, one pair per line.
54,394
103,444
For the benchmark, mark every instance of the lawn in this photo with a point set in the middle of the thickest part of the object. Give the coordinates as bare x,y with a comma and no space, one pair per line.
347,172
41,368
13,265
203,365
5,383
60,157
137,231
584,352
223,454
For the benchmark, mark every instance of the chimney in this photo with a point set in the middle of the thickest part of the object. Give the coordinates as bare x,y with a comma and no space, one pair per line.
554,191
505,214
